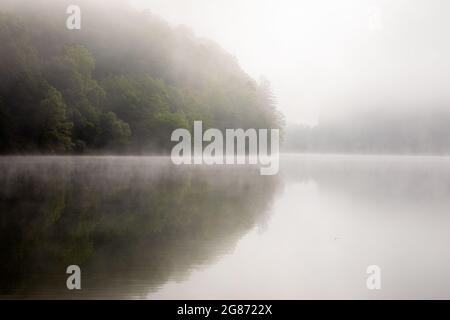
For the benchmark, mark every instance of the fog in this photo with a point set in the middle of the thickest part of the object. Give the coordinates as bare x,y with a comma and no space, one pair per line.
368,76
121,83
140,227
327,58
86,120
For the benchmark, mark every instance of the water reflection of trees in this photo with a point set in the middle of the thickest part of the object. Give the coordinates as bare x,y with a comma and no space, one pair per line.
130,223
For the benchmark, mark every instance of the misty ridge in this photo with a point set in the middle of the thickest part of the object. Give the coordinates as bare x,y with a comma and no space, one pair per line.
421,131
128,79
123,83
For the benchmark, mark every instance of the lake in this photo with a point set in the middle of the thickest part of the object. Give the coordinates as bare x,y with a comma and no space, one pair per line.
142,228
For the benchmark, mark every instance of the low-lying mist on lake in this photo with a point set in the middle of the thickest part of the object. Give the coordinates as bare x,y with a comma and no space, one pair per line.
140,227
94,95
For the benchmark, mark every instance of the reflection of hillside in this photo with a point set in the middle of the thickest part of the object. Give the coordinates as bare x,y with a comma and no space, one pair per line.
130,223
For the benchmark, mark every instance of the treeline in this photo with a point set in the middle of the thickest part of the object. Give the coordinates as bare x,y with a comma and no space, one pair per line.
122,83
401,131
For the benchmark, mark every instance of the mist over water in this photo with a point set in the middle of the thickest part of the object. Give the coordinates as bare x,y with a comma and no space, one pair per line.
357,88
130,223
140,227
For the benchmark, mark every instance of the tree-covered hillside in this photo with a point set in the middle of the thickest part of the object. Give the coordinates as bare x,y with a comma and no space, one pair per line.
122,83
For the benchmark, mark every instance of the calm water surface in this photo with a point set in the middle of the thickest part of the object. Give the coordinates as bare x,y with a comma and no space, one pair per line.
141,228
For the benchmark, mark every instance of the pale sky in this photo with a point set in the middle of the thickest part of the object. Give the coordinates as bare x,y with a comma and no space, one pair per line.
328,57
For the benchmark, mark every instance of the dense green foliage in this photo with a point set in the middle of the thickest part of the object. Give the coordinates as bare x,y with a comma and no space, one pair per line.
122,83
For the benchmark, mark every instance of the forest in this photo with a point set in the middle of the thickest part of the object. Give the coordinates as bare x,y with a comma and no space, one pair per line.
417,131
120,84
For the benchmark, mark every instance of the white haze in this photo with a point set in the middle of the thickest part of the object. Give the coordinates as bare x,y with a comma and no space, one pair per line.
327,57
